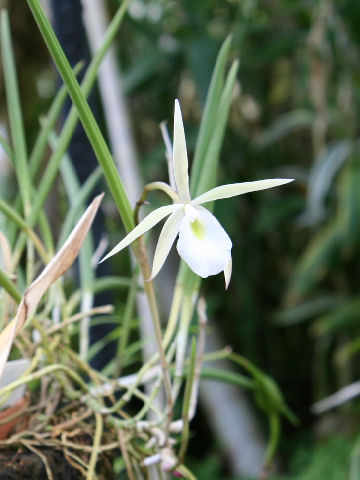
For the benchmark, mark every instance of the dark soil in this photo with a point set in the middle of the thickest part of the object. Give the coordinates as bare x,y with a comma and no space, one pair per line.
29,466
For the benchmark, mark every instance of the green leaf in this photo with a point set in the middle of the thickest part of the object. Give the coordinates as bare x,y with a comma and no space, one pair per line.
15,113
47,126
10,287
78,195
208,120
208,173
17,220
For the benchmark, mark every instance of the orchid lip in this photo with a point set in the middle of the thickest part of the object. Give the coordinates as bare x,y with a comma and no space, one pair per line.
203,243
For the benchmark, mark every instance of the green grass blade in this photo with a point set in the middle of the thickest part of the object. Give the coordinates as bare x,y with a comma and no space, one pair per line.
78,201
47,126
15,113
209,165
209,115
9,286
46,233
112,283
44,227
12,215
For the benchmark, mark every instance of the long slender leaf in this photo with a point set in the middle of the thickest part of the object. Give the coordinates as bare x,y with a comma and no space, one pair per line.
78,200
86,116
111,283
15,113
208,120
17,220
47,126
9,286
209,167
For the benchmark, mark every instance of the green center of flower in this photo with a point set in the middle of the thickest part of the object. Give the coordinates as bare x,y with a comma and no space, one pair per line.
198,228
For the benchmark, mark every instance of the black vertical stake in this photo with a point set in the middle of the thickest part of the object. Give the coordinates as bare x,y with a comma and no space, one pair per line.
69,28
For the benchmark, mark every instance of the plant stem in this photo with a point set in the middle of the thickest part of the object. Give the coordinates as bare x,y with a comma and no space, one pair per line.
141,256
274,424
129,307
182,337
96,444
174,314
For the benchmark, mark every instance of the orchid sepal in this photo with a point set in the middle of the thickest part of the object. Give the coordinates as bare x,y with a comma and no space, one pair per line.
180,158
149,221
203,243
235,189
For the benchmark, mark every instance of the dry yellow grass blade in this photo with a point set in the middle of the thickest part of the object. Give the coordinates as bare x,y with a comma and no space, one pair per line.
6,252
55,268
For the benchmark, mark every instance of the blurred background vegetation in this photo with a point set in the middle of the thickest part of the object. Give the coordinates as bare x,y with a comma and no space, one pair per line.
293,306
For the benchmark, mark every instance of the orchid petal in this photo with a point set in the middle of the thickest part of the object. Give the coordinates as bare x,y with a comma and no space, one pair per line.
180,157
234,189
227,273
203,243
166,239
149,221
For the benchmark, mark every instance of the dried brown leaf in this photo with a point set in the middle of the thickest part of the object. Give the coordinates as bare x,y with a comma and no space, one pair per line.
55,268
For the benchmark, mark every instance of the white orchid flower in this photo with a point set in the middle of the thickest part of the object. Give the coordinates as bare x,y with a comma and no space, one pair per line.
203,244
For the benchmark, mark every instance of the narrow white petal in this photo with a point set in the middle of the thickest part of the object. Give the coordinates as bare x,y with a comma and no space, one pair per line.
203,243
234,189
166,239
227,273
152,219
180,157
